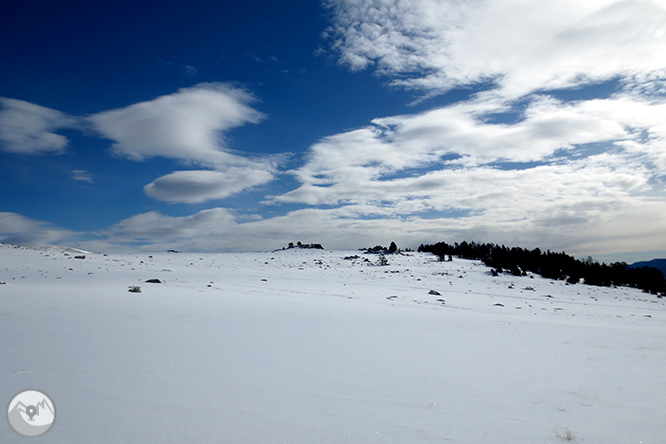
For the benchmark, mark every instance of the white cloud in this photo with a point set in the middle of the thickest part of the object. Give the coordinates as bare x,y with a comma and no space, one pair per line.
204,185
361,165
631,226
188,125
586,185
591,168
20,230
26,128
436,45
576,194
442,159
217,230
82,176
160,232
585,172
190,70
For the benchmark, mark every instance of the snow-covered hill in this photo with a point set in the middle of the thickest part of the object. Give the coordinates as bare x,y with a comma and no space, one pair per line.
305,346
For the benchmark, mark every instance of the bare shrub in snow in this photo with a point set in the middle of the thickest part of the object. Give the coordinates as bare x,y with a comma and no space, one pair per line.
382,261
565,434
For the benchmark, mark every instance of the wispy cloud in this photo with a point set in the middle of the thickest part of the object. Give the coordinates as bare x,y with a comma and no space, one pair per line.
522,47
82,176
348,166
26,128
516,53
579,176
513,162
190,70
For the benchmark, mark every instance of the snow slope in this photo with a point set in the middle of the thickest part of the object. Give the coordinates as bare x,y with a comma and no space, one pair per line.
303,346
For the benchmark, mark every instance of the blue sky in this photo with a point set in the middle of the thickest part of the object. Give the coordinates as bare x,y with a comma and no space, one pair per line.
218,126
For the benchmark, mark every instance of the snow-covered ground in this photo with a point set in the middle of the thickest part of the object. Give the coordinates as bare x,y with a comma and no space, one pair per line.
303,346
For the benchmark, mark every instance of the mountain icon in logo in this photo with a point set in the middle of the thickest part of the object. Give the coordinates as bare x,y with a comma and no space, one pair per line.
31,413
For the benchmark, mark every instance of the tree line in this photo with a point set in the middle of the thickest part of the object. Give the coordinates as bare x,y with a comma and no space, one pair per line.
519,261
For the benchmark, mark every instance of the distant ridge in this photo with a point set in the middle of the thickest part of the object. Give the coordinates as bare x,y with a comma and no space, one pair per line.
659,264
49,248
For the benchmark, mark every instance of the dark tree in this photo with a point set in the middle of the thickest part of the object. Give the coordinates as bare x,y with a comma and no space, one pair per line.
519,261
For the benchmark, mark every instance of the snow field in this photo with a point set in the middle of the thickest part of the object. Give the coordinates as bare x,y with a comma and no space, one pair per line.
302,346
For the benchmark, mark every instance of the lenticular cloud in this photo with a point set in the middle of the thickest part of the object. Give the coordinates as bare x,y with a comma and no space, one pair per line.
203,185
187,125
26,128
